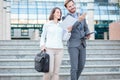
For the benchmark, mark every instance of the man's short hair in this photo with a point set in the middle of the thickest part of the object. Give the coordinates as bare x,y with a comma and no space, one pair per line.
66,2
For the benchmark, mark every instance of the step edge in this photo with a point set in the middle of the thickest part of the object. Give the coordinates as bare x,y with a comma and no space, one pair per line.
67,74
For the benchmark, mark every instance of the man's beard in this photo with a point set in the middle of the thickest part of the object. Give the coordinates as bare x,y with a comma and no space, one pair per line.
72,10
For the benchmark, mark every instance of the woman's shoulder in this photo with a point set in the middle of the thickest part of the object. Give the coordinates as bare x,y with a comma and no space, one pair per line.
47,23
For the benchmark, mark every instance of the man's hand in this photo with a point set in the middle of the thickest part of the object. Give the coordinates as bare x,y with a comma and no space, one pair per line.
88,36
81,17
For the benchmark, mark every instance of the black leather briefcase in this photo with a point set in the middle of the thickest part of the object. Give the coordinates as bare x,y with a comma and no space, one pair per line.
42,62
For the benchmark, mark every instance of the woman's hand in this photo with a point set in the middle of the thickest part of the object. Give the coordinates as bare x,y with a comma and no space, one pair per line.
43,47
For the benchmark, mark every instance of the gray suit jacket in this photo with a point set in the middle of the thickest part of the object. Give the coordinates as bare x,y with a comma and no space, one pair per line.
78,33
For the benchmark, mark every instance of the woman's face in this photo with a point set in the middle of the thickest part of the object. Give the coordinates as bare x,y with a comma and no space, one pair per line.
57,14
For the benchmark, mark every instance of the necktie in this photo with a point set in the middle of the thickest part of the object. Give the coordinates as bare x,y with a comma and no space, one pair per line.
76,16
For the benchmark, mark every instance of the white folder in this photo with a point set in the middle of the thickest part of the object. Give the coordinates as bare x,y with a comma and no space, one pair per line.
67,22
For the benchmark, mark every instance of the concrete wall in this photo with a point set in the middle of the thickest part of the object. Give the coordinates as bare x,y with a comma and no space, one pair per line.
5,29
114,31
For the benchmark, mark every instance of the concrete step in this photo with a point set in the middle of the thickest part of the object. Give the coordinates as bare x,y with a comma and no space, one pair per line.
31,54
37,47
19,42
96,61
92,43
63,76
17,60
36,42
34,51
114,79
63,69
65,61
99,53
103,42
19,47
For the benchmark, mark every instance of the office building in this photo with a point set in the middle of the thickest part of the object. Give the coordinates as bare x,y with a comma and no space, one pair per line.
24,19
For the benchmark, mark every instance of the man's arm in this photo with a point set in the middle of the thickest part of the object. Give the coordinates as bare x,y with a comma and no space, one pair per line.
86,29
80,18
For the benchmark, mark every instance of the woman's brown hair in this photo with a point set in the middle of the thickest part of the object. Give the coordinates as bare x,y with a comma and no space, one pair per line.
51,17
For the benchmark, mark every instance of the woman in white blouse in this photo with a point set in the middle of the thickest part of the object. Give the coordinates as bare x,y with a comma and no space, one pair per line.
51,41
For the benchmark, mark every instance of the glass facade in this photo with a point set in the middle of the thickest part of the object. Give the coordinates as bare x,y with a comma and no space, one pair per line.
28,15
104,14
101,1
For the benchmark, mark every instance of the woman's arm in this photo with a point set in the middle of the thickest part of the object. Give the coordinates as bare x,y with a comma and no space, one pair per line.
43,37
67,34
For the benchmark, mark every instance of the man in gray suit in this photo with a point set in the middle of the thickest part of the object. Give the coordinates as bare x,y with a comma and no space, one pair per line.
77,41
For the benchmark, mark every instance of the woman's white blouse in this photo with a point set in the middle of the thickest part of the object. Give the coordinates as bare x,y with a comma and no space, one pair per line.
52,35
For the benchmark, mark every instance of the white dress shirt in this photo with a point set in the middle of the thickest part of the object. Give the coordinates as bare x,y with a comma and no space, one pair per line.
52,35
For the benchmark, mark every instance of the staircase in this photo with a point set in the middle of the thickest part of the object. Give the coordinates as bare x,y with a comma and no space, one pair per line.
17,61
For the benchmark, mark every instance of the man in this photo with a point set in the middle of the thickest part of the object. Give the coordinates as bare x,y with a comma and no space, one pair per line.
77,41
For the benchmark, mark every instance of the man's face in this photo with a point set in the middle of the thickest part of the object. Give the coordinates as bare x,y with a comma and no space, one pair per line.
71,7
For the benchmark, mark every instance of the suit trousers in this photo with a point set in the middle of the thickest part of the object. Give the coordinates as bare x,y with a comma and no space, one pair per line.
77,60
55,62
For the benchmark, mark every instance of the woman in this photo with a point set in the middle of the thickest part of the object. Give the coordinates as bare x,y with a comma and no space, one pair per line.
51,41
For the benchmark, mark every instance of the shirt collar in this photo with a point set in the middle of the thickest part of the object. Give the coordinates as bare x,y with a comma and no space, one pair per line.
73,14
